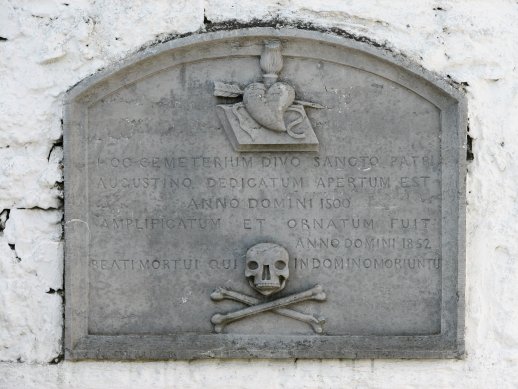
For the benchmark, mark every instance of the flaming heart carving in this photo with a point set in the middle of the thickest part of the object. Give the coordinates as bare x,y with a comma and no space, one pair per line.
268,106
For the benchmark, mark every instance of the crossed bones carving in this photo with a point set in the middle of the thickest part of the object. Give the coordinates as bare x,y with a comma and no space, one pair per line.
316,293
267,272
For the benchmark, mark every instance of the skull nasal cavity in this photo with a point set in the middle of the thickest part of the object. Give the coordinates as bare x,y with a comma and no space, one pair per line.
266,272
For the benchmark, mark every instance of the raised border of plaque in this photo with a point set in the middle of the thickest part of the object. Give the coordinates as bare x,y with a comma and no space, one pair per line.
80,344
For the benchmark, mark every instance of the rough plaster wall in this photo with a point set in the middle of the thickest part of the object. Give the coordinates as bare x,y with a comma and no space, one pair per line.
46,46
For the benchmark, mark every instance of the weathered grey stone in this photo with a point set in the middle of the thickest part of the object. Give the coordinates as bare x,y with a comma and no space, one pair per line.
334,233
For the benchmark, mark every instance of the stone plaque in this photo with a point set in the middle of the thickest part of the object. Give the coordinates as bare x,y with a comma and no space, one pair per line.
264,193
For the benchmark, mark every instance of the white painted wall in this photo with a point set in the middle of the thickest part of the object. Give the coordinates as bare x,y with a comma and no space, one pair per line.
47,46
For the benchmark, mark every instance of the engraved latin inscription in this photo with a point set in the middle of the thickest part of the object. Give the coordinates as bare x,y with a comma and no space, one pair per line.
341,227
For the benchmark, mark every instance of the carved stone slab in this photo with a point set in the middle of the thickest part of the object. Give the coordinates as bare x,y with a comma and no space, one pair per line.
264,193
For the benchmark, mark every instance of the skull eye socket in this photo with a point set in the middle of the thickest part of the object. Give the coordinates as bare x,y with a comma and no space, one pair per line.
280,265
253,265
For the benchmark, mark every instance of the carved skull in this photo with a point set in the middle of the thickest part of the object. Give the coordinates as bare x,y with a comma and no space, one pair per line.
267,267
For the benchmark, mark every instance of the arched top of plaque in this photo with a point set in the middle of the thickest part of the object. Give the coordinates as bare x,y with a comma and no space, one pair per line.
272,88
